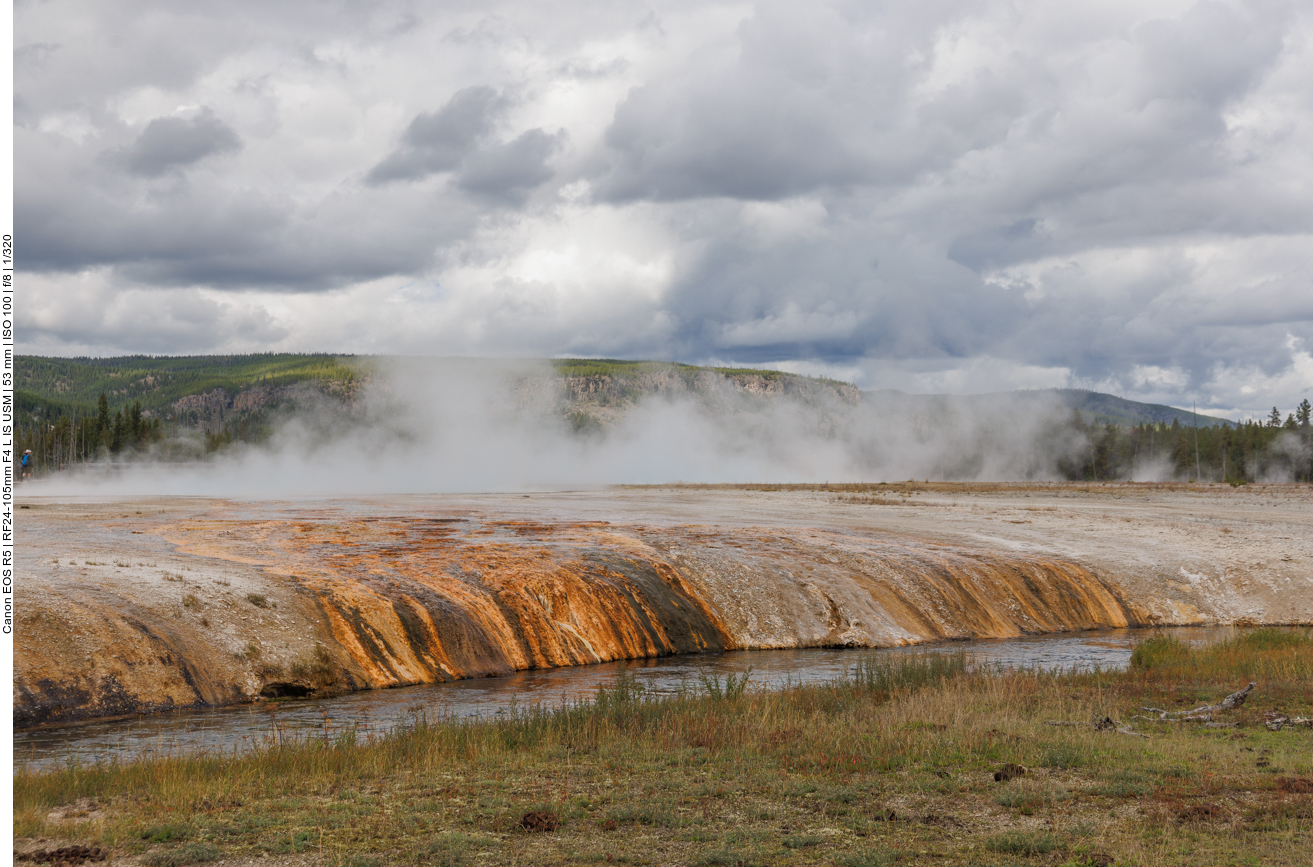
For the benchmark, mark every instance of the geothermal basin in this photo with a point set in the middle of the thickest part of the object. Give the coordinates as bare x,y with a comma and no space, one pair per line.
161,604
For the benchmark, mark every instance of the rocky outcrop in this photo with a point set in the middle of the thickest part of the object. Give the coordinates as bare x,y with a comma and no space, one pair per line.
536,391
217,406
608,398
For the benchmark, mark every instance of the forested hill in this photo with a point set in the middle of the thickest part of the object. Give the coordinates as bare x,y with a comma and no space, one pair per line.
1093,405
136,402
1107,409
157,382
79,410
195,388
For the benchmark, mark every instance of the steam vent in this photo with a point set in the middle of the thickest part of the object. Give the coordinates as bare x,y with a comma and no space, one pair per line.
160,604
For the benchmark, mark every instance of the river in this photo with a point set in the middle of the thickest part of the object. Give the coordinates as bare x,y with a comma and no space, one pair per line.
375,712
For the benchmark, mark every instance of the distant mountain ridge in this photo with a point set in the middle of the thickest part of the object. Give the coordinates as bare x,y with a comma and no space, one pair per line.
1093,405
594,392
185,409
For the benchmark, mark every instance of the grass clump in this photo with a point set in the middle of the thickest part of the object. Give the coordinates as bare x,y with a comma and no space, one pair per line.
192,853
1159,651
733,688
166,833
1028,799
884,675
1022,843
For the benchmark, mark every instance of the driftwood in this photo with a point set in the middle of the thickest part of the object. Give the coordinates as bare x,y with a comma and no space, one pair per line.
1100,724
1204,712
1275,720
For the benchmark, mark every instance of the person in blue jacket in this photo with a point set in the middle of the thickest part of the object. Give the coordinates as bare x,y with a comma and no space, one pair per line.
27,465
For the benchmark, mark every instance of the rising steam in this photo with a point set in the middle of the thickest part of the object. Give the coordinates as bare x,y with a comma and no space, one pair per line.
444,426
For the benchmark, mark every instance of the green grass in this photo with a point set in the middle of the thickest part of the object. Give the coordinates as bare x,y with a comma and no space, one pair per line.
892,765
1159,651
1281,661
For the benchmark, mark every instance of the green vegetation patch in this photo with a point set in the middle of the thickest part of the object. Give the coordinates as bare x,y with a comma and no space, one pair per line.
158,381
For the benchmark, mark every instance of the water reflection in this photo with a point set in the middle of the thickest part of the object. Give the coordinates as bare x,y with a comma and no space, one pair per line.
378,711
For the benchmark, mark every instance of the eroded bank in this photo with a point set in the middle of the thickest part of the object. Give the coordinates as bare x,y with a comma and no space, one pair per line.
153,605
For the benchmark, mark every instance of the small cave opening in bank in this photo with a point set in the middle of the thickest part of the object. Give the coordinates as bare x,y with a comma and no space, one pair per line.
285,690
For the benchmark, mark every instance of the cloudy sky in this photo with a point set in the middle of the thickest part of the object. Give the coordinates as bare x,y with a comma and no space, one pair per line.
930,196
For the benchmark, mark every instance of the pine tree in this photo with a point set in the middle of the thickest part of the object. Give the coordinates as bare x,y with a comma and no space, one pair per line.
134,422
1274,418
117,433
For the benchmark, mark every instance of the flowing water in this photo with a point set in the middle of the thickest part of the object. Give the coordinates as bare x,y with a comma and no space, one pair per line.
373,712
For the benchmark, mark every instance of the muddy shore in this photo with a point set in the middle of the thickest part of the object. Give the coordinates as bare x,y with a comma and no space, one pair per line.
143,605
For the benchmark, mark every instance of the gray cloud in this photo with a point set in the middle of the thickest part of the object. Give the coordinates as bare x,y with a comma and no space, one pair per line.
1241,44
458,138
439,141
750,144
173,142
208,232
507,172
1112,196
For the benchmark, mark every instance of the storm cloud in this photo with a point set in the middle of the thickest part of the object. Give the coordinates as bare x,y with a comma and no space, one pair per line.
948,196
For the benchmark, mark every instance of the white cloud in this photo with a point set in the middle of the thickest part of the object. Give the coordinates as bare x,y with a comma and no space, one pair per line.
940,196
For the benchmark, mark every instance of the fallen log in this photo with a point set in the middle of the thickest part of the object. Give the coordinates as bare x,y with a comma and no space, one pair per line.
1275,720
1204,712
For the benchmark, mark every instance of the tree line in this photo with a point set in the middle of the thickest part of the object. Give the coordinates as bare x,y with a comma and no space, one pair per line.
63,405
66,435
158,381
63,439
1275,450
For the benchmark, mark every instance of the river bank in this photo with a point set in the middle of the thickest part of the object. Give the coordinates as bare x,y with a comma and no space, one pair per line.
158,604
239,729
895,765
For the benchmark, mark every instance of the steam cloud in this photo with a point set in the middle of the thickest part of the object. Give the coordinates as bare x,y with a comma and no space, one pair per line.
448,426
